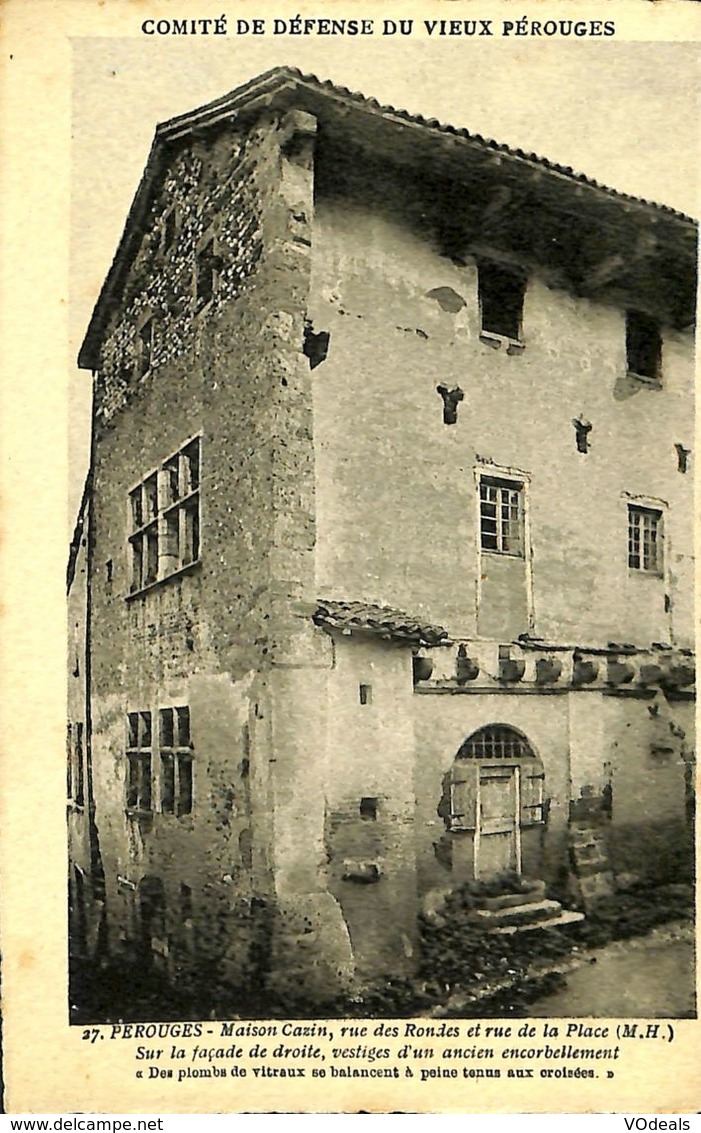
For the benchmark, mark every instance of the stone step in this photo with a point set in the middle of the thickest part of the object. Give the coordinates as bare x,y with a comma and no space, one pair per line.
517,914
535,892
567,916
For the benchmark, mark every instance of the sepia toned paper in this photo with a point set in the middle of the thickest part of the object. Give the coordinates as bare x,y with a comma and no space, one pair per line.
83,90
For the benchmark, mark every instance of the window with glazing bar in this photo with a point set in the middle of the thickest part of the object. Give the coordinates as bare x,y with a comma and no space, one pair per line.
139,761
501,516
176,761
164,512
645,539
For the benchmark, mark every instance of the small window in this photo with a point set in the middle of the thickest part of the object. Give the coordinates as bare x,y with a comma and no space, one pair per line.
501,294
169,228
365,694
206,273
501,516
496,741
368,809
139,761
176,761
643,346
186,905
645,539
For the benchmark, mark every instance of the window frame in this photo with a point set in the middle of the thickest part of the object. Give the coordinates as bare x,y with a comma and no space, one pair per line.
179,755
655,513
139,763
207,265
145,762
487,295
164,520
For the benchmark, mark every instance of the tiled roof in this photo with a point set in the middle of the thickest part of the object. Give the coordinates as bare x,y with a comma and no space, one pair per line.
384,621
277,75
284,87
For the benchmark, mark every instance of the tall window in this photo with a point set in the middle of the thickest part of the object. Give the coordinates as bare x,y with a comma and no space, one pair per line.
139,761
501,293
645,539
176,761
643,346
165,518
501,516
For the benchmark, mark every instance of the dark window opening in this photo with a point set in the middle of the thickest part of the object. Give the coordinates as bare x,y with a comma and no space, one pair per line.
79,778
145,349
643,345
69,762
206,274
170,229
365,694
186,905
501,294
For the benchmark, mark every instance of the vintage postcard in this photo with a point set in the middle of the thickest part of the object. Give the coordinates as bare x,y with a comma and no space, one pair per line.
348,580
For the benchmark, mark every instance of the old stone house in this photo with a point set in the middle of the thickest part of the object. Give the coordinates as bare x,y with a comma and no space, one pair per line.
390,567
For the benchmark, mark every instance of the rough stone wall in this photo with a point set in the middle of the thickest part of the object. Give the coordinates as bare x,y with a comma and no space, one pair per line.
209,188
396,504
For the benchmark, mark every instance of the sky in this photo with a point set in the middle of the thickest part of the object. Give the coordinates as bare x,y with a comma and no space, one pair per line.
623,113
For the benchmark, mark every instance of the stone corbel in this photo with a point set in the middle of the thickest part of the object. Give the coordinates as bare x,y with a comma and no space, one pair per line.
547,670
297,134
619,672
584,671
466,668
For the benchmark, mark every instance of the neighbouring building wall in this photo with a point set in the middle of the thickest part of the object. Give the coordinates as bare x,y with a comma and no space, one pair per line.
652,770
85,904
396,491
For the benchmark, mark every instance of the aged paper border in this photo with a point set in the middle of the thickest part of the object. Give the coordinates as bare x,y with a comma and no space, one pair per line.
47,1067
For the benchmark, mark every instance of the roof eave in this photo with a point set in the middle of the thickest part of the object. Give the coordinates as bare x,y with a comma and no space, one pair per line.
263,92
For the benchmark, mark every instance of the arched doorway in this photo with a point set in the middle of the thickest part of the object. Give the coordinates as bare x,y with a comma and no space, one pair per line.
497,789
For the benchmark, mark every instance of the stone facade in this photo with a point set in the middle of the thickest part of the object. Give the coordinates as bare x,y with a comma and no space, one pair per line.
290,305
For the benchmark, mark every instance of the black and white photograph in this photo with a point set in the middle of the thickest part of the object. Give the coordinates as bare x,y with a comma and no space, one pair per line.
381,587
379,552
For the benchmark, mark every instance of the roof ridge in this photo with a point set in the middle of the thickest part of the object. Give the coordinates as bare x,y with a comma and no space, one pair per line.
275,75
